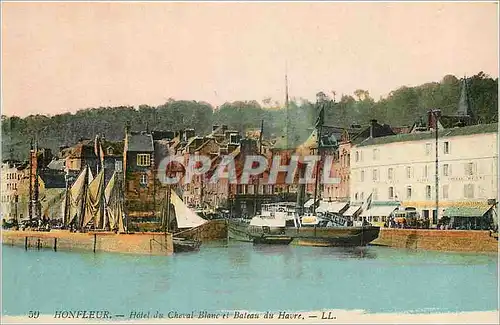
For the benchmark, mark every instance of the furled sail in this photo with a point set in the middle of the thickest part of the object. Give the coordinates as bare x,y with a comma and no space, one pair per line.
186,218
76,195
114,204
91,177
50,203
93,202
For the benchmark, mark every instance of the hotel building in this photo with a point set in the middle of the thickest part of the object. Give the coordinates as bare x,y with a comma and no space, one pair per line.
401,169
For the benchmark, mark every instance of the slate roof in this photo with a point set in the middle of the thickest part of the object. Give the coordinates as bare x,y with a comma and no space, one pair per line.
57,164
461,131
142,142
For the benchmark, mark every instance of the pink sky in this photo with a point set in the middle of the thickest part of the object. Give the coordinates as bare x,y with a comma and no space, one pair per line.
61,57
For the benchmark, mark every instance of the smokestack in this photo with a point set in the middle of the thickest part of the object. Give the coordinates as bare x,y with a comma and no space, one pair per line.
433,118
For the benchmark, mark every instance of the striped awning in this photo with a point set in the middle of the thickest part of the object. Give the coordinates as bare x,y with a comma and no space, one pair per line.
309,203
469,212
332,207
379,211
352,210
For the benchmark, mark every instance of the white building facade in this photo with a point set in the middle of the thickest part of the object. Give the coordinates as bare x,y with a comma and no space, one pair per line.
11,177
403,168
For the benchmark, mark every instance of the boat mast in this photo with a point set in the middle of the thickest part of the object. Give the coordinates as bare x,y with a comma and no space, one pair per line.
84,198
258,178
319,125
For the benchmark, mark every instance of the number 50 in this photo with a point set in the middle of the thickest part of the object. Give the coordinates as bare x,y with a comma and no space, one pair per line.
33,314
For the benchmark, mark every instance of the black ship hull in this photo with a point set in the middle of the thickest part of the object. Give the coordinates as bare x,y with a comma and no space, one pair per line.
308,236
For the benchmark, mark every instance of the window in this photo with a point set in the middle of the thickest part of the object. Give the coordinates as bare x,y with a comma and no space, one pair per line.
391,193
375,154
348,159
118,166
445,191
356,196
428,149
362,176
408,192
426,171
469,169
409,172
375,194
375,175
357,155
362,196
428,192
390,174
143,160
446,170
446,147
468,191
144,179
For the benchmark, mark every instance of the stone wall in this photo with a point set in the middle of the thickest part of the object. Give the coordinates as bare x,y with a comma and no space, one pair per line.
138,243
441,240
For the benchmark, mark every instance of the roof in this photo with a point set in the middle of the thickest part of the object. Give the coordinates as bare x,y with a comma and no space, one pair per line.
53,179
140,142
57,164
462,131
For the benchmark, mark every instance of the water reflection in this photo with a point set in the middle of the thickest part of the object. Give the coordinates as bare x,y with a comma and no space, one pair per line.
344,252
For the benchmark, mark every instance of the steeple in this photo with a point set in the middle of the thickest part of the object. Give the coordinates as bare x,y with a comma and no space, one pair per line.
464,108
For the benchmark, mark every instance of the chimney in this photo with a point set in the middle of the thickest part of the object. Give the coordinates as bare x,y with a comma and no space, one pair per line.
224,128
372,126
214,127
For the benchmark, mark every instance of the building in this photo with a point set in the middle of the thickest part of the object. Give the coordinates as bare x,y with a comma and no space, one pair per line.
12,173
401,168
139,176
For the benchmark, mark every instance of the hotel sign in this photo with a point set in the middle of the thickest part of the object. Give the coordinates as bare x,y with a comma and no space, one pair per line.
467,178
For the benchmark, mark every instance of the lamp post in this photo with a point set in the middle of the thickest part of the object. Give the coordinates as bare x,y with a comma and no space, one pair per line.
435,114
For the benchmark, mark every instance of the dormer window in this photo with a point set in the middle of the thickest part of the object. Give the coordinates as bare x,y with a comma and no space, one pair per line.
144,160
109,151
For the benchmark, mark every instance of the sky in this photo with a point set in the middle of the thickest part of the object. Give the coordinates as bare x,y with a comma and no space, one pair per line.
61,57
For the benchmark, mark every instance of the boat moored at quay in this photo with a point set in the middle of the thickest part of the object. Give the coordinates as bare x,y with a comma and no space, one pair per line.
307,230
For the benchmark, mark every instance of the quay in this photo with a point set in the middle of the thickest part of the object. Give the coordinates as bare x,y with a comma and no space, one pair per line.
438,240
136,243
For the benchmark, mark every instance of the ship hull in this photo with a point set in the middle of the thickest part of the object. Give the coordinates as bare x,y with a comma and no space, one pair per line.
308,236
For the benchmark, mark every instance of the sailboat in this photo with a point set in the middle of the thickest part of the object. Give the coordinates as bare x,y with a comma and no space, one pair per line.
90,205
185,218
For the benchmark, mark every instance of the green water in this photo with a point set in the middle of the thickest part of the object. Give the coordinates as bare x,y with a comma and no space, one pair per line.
240,276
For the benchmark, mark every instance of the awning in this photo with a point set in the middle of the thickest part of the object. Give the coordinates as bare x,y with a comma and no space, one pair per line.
332,207
468,212
308,203
379,211
352,210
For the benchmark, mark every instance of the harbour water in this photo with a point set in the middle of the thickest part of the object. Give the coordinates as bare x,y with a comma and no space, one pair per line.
240,276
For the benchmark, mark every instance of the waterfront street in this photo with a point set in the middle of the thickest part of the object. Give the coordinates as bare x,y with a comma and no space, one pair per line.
240,276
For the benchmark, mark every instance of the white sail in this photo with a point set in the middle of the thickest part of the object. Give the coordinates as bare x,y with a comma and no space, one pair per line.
93,202
75,197
114,204
91,177
186,218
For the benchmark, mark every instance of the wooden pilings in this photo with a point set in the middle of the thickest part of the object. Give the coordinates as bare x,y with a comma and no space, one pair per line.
26,243
55,244
95,241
